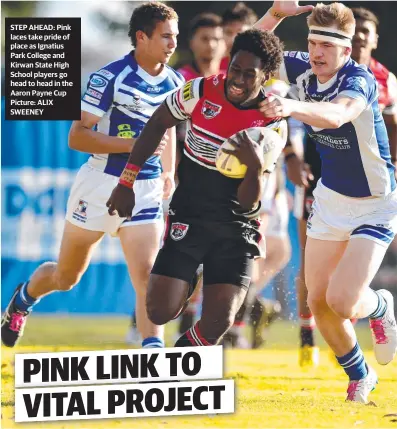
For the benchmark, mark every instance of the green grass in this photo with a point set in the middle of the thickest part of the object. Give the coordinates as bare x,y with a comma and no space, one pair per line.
272,391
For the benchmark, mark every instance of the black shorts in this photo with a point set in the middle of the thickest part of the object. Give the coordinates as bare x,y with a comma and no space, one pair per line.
226,250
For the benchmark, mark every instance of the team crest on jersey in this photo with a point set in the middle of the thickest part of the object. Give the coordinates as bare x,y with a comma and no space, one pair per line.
178,230
210,110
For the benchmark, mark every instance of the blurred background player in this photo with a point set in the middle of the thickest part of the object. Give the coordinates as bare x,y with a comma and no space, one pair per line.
235,20
207,45
306,173
118,101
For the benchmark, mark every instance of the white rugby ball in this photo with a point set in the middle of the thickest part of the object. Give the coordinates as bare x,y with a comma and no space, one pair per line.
272,145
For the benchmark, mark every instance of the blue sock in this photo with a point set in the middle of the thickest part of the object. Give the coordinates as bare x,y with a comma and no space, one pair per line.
152,343
354,363
381,308
23,301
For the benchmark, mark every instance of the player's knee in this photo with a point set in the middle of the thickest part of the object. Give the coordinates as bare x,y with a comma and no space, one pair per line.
159,316
316,301
217,327
338,303
160,312
66,280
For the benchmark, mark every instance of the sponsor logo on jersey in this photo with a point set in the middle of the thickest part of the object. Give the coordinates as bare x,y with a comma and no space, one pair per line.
91,100
105,73
155,89
187,91
178,230
94,93
99,83
210,110
125,131
357,83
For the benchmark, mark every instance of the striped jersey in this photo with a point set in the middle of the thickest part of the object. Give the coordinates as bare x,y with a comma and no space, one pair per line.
125,96
356,156
210,120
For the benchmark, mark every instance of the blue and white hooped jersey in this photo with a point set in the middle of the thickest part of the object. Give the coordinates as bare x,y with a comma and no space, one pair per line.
355,158
125,96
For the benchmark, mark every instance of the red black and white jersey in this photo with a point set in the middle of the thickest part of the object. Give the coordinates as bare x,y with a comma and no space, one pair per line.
210,120
387,87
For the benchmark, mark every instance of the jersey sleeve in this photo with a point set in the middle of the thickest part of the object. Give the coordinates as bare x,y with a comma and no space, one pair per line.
295,63
98,96
182,102
359,84
391,108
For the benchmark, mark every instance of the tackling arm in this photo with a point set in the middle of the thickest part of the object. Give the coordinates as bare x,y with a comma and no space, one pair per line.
328,114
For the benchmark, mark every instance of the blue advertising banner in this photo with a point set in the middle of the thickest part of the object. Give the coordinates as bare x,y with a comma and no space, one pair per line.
38,169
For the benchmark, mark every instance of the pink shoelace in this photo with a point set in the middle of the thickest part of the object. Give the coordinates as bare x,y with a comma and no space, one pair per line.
351,390
17,321
379,331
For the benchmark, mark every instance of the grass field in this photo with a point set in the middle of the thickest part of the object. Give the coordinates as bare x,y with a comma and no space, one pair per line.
272,391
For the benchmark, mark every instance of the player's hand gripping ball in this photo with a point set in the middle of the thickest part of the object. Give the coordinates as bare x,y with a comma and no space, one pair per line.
272,145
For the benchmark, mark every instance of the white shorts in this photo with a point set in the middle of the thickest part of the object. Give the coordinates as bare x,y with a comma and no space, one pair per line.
277,208
279,216
336,217
91,190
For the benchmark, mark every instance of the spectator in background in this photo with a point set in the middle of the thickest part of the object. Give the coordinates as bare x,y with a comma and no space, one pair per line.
207,45
234,21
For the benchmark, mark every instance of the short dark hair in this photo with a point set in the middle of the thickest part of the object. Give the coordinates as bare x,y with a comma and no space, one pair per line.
202,20
240,12
263,44
146,17
365,15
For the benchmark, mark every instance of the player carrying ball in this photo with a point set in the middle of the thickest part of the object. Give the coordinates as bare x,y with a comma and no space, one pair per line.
212,218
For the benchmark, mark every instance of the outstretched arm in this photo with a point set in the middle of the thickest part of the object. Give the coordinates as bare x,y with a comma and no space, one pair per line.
323,114
280,10
122,199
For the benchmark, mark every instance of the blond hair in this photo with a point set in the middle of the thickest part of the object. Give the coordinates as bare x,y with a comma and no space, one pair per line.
333,14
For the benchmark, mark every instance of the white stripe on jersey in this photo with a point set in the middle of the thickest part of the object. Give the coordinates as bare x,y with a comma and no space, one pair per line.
378,177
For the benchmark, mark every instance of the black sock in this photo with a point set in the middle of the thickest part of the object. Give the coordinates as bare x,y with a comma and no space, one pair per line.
307,338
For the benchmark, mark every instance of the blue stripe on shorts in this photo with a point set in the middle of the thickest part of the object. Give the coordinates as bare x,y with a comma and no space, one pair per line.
379,232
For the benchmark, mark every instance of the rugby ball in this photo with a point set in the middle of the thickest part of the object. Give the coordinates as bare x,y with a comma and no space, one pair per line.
272,144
